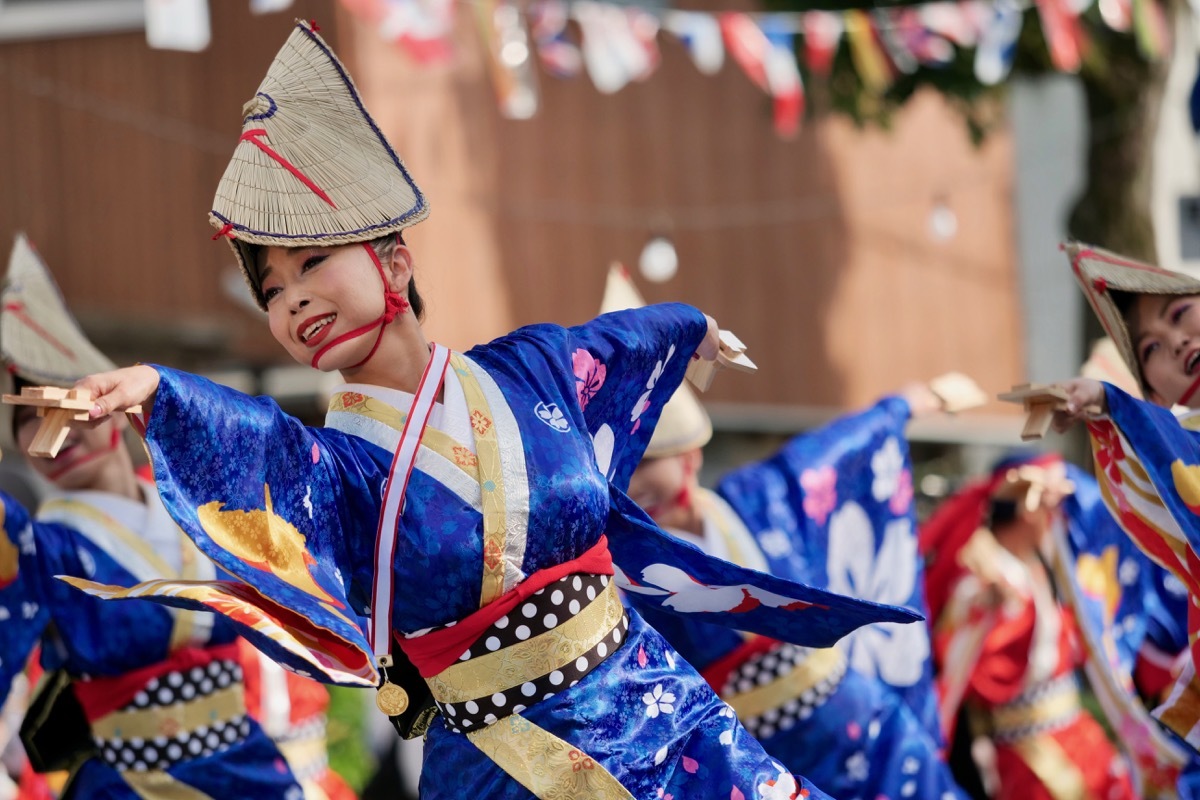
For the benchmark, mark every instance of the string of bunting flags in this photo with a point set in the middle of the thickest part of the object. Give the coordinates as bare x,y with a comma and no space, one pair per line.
617,44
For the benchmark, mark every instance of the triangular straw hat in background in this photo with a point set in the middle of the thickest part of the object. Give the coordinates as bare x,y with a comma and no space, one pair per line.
684,424
1100,272
40,341
1104,363
311,166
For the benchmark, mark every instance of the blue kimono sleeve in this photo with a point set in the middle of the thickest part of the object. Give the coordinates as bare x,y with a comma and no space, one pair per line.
1166,618
24,609
1168,455
787,499
263,497
620,369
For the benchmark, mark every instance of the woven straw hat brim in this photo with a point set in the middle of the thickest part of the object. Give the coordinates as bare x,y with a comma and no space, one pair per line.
40,341
1099,272
312,167
684,424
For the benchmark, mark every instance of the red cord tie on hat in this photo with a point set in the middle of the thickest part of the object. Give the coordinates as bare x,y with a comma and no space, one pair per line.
252,136
394,305
226,230
17,309
1100,284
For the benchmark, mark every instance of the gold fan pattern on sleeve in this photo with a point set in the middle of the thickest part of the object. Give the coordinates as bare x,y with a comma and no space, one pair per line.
264,540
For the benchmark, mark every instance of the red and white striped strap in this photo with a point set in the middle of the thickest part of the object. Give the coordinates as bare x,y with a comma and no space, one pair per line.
393,498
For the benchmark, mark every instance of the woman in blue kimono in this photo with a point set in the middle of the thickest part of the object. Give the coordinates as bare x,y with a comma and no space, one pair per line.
159,689
463,508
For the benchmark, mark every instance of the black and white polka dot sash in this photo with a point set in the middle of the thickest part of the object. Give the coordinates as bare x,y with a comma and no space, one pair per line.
574,623
305,748
1043,708
177,716
774,691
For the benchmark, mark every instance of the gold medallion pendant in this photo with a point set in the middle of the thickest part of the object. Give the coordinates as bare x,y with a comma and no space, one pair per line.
391,699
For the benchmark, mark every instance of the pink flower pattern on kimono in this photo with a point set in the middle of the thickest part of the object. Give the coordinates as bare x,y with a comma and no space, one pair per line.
900,501
820,492
589,375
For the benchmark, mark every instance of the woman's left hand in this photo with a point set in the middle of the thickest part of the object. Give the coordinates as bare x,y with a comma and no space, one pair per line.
711,344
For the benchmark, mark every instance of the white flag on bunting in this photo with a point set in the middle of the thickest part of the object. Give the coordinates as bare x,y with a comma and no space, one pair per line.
701,35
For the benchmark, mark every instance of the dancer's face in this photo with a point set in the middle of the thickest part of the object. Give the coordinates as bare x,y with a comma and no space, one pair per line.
85,453
664,487
1165,330
316,294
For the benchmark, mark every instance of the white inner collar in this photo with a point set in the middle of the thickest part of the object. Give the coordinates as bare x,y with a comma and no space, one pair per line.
450,416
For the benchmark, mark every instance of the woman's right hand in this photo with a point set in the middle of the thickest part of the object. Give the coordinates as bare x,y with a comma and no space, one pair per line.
121,389
1084,397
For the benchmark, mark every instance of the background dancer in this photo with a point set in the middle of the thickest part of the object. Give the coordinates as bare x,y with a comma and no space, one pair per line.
845,731
1005,644
160,709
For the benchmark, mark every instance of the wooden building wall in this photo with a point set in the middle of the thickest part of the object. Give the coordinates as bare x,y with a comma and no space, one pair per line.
816,251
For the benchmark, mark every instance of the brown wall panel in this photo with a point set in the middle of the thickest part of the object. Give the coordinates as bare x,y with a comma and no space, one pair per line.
815,251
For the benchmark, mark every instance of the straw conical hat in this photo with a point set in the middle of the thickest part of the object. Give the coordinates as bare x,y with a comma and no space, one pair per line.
684,424
619,291
311,167
40,342
39,339
1100,272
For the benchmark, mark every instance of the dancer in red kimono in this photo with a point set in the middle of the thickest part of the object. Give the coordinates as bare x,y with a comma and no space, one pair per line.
1005,645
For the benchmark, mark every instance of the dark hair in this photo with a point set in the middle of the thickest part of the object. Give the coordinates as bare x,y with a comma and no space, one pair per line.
383,247
1001,512
1125,302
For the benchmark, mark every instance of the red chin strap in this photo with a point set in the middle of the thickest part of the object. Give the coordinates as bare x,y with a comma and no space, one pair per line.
394,306
1191,390
114,441
683,497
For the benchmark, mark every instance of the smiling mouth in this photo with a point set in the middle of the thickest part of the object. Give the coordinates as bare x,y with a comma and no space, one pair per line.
312,332
1190,365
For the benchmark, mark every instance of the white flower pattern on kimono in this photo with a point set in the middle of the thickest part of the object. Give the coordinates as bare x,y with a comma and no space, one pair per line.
775,543
887,464
603,443
726,737
659,701
643,402
1128,572
552,415
783,787
27,542
857,767
893,652
686,595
